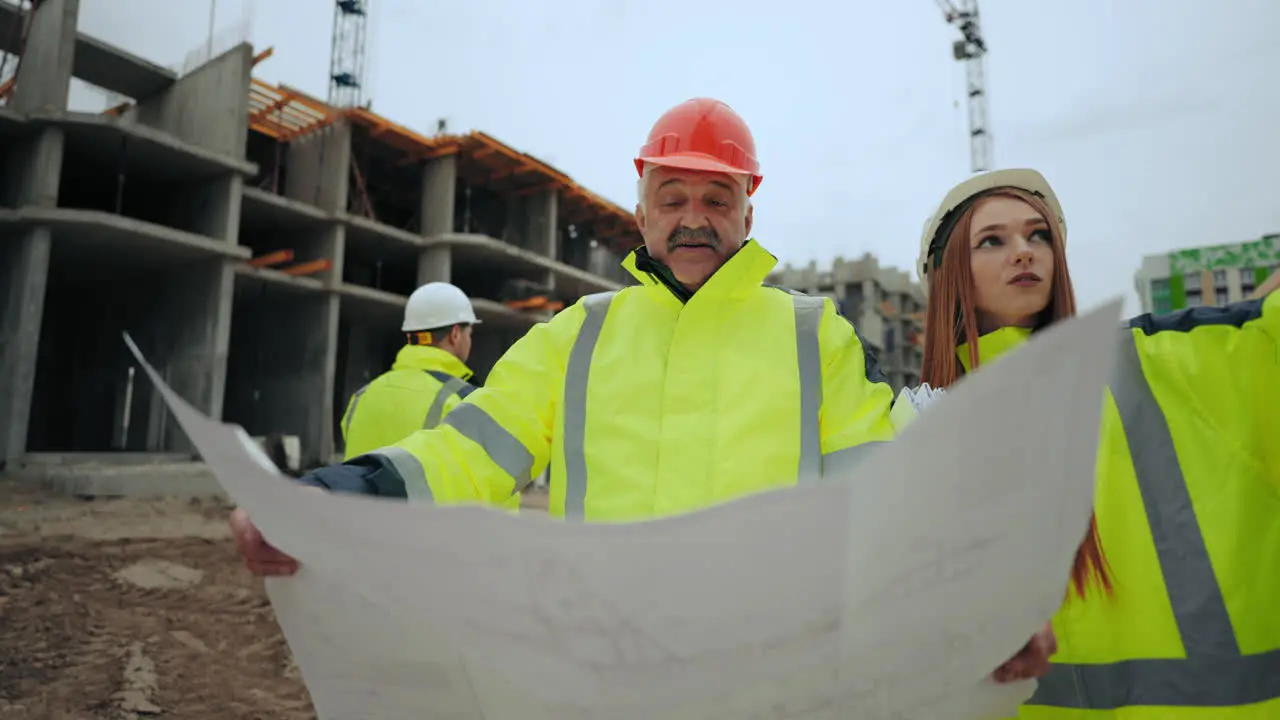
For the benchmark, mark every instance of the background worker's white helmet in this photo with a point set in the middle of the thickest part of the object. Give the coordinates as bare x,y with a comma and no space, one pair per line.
1021,178
437,305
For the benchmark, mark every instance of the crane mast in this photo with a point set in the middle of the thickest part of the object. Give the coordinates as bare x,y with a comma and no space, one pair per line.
971,49
347,57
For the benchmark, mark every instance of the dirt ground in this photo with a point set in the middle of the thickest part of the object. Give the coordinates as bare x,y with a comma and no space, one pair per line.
122,609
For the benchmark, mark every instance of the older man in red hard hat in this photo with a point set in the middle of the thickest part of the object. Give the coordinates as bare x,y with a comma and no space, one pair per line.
701,385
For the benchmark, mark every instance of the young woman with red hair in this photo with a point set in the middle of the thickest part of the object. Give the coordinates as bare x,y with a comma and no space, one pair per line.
1178,621
994,269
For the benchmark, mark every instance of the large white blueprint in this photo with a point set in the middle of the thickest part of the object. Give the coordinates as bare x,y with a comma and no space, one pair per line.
891,593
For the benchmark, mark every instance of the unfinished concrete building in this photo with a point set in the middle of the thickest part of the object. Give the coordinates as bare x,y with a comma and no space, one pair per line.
885,304
257,244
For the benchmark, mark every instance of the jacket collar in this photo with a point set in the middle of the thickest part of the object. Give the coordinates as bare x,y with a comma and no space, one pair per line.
426,357
741,274
994,344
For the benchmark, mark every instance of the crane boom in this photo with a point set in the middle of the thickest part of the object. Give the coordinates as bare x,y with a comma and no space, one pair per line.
971,49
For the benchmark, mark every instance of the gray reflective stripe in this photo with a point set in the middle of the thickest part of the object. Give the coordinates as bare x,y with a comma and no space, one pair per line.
501,446
841,462
1214,673
808,316
410,470
351,411
575,402
447,388
808,311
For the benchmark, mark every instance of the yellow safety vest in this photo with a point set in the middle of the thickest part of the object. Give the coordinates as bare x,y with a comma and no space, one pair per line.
423,385
1188,509
647,406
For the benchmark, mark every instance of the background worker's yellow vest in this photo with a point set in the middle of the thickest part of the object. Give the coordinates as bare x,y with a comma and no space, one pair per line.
417,392
1188,508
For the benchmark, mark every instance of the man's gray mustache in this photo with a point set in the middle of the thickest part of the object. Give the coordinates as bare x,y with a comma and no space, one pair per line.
694,236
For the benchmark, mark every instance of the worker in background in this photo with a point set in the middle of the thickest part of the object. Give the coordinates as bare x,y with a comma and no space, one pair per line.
429,376
1180,617
699,386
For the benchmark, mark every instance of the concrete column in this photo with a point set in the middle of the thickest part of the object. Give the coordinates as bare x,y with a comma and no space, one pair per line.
439,195
193,334
214,207
318,168
333,244
24,267
319,445
33,171
541,229
208,107
44,77
435,264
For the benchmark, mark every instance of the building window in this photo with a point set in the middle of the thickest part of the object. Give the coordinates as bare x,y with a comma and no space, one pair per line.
1221,297
1160,287
1193,299
1246,276
1191,280
1220,278
888,340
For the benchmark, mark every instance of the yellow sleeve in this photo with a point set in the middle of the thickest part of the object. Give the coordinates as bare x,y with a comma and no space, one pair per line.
497,440
856,396
1215,372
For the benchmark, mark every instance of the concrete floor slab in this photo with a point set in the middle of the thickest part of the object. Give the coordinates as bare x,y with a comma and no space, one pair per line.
99,237
153,152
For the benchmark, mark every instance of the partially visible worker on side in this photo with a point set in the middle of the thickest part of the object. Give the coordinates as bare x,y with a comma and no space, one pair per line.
1180,618
429,376
699,386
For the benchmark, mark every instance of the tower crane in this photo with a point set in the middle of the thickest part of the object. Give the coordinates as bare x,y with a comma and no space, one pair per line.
347,57
971,49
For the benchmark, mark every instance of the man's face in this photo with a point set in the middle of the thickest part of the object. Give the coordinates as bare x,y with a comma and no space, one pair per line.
693,222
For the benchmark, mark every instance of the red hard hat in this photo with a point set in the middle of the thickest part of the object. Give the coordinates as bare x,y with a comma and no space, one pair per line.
702,134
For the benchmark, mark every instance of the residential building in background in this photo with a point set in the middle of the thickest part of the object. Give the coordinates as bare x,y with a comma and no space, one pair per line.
885,304
1212,275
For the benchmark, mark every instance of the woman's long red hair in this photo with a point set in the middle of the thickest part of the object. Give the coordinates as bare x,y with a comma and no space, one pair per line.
951,320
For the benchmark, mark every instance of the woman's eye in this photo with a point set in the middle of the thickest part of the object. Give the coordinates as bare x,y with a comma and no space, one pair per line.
989,241
1042,235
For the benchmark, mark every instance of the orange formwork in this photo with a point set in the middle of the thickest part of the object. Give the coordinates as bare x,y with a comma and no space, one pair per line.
284,113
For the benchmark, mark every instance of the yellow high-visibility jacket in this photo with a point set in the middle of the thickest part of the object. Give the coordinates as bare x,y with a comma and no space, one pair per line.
423,385
1188,510
646,405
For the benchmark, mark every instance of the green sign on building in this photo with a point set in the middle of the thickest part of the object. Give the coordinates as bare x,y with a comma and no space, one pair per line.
1261,256
1261,253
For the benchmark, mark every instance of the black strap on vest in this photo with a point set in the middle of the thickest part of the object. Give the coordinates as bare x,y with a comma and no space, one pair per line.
463,392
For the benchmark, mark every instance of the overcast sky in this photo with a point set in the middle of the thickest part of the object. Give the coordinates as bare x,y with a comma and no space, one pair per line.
1155,120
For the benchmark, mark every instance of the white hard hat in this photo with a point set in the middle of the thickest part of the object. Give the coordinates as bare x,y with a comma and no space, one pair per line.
437,305
1021,178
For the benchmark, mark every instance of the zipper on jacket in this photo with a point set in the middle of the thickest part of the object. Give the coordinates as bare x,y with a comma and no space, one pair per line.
656,270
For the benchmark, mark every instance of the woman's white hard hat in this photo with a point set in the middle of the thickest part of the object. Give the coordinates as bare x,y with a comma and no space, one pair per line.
1021,178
